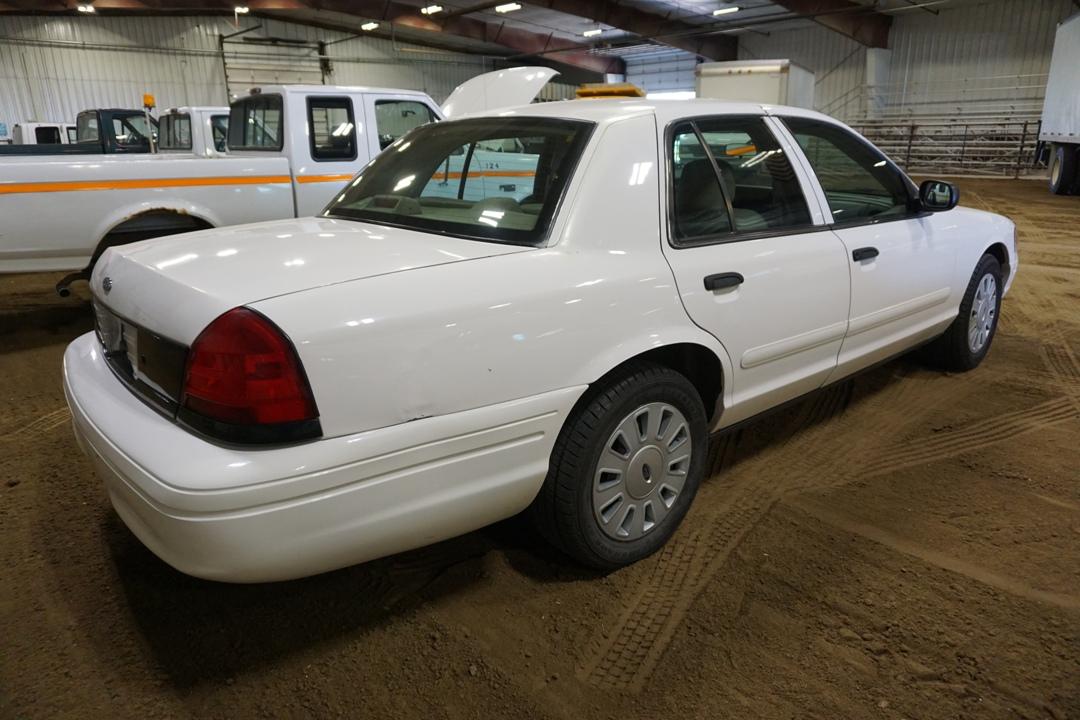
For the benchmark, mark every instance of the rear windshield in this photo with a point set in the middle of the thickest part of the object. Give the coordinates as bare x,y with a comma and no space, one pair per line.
495,179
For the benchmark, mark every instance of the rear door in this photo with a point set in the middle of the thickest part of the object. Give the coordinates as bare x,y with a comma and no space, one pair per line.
328,153
753,260
901,268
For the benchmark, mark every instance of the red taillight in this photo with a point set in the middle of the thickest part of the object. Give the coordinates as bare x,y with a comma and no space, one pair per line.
242,370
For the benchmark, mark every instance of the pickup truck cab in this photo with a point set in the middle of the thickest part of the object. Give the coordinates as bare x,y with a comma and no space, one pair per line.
108,131
203,131
291,149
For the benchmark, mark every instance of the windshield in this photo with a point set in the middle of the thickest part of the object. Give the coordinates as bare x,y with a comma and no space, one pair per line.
496,179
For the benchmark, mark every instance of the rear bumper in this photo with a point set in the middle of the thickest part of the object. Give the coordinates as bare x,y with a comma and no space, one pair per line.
243,515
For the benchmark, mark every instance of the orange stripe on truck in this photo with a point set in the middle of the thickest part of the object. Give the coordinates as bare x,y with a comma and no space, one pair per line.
141,184
493,173
323,178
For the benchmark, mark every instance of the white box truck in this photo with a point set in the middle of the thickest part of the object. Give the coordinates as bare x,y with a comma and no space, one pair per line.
769,82
1061,110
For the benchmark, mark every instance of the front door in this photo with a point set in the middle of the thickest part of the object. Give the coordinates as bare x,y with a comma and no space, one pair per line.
754,264
901,268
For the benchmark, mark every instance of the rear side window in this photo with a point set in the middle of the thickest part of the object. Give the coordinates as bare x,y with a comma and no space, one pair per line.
72,134
331,128
394,118
86,128
860,183
731,175
47,135
255,123
174,132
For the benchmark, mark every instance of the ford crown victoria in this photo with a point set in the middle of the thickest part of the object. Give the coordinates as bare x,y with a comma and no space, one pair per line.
545,308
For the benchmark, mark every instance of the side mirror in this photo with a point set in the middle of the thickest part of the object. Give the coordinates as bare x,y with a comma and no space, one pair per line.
938,195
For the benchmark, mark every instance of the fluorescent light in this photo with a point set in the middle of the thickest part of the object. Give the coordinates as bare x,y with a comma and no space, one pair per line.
369,26
508,7
241,9
592,33
431,9
86,8
726,11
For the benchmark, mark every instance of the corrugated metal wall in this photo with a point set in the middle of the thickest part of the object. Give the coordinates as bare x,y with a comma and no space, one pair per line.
838,64
977,53
661,70
52,67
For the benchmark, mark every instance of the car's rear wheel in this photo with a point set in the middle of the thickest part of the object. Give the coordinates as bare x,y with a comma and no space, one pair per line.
625,468
967,341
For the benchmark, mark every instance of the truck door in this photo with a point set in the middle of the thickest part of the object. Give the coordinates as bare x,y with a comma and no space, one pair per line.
332,154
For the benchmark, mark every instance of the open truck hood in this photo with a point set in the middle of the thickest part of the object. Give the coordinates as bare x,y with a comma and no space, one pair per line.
177,285
498,89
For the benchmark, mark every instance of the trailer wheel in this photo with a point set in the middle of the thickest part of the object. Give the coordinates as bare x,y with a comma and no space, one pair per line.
1062,169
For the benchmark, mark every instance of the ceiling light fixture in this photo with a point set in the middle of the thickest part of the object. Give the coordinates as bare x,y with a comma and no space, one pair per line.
592,33
508,7
369,26
726,11
241,9
86,8
431,9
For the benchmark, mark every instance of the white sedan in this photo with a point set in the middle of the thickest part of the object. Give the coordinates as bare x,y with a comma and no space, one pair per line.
554,321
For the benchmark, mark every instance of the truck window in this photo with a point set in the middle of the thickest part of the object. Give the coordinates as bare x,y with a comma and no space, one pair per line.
175,131
219,127
131,131
86,128
47,135
72,134
394,118
332,129
255,123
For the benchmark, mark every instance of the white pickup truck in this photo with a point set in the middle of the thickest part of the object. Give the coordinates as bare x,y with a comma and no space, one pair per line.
290,150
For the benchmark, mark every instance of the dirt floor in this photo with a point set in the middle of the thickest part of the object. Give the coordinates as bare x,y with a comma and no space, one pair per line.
904,545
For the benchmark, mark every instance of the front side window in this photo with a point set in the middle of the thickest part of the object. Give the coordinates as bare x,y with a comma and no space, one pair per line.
497,179
255,123
331,128
394,118
731,175
175,132
131,130
860,183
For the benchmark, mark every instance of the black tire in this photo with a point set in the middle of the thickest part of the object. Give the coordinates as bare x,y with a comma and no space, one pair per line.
953,351
563,511
1063,163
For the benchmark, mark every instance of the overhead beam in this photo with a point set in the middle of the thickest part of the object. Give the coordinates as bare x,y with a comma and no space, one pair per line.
858,22
670,31
517,40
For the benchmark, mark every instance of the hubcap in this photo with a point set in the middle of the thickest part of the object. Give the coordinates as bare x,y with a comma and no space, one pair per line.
1055,170
642,471
983,313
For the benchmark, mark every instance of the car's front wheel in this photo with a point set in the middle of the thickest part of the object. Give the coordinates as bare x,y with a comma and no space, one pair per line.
967,341
625,468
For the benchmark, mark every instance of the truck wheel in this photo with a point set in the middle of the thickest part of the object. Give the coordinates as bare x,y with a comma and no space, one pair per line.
625,468
1062,169
967,341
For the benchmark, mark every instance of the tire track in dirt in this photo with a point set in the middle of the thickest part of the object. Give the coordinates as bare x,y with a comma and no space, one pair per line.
973,437
38,427
625,657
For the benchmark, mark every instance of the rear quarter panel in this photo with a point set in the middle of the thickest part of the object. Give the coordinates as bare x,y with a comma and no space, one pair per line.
433,341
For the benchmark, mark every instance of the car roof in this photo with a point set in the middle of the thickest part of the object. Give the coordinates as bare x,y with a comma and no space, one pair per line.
606,110
335,89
